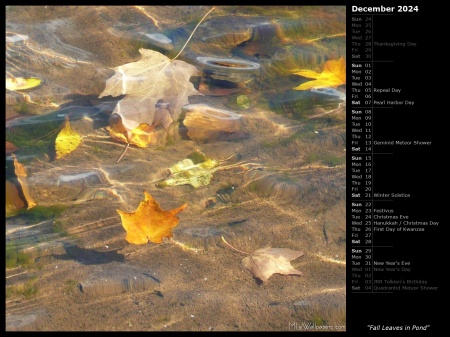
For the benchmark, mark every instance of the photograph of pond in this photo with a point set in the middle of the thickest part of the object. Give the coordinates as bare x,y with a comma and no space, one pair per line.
175,168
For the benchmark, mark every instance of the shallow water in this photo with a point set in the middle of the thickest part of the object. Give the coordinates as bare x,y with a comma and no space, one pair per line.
278,177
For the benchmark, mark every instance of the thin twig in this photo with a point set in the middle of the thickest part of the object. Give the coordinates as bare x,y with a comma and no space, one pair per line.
232,248
123,152
198,24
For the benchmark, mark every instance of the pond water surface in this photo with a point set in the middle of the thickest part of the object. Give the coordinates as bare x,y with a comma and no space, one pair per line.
258,163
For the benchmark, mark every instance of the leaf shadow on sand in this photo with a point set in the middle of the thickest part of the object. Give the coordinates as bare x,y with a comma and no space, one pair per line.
89,256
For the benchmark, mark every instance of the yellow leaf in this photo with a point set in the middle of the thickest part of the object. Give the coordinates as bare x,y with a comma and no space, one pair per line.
20,83
149,222
67,140
332,76
186,172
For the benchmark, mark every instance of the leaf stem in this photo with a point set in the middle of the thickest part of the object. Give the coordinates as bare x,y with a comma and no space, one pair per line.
198,24
232,248
123,152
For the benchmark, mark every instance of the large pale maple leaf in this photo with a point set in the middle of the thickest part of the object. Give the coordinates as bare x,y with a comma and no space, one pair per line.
149,222
155,89
332,76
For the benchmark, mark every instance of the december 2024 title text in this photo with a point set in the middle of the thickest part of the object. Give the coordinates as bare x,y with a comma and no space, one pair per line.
383,9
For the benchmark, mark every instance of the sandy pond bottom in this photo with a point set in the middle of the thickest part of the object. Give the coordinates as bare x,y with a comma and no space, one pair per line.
91,278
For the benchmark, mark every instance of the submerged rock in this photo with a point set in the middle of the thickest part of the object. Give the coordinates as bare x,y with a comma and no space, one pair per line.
205,123
271,185
159,40
71,187
202,238
227,30
119,278
233,70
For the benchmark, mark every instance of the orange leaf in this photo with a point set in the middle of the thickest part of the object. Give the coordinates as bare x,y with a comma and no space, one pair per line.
21,174
149,222
14,202
144,134
141,136
332,76
10,148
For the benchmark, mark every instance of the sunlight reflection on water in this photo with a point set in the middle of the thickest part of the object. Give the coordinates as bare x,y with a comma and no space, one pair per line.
281,152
